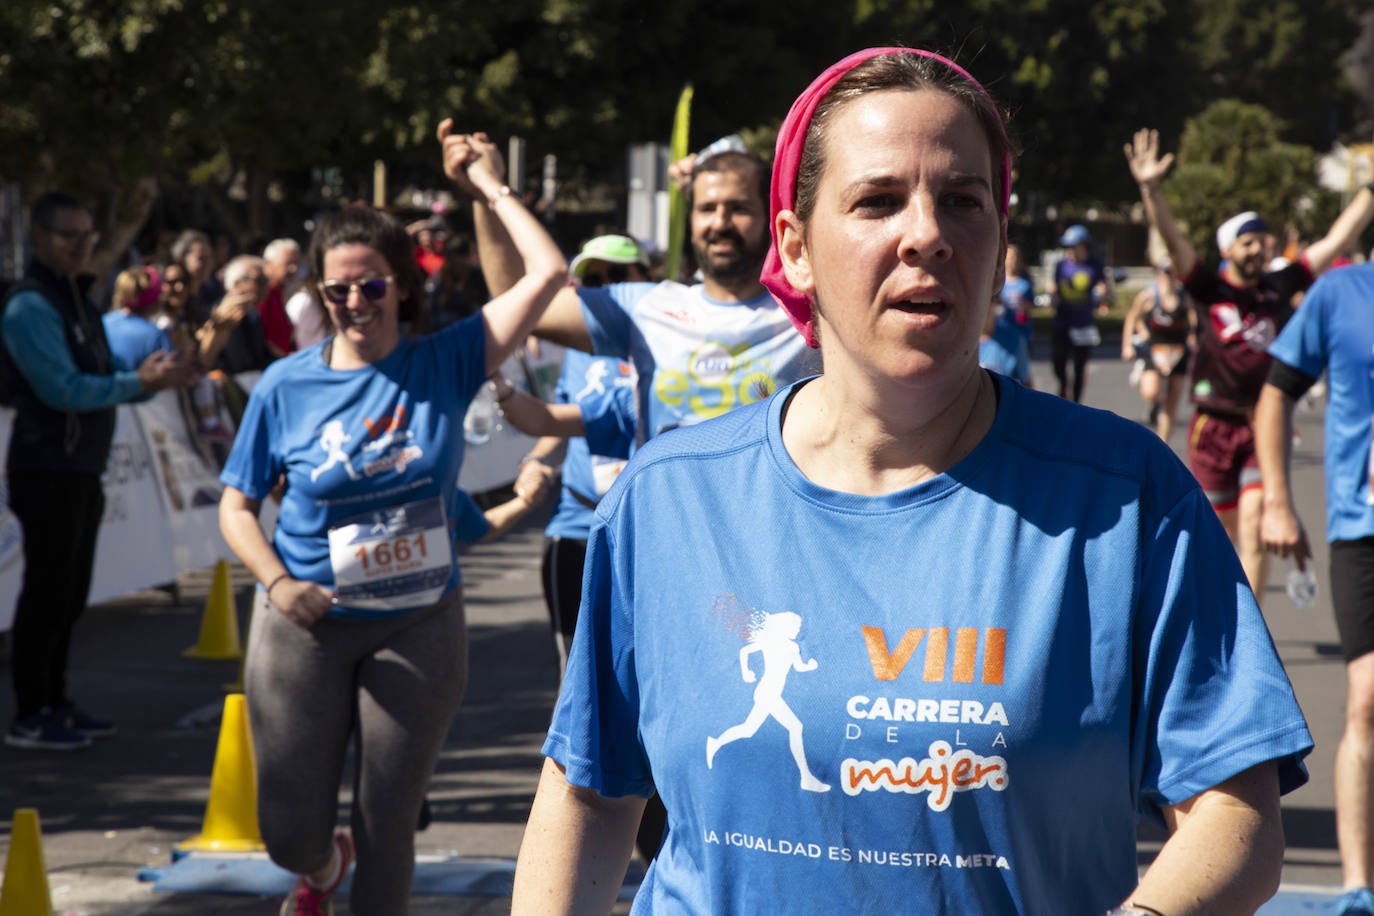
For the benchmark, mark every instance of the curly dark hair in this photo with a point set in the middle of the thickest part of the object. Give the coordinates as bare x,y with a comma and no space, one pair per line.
360,224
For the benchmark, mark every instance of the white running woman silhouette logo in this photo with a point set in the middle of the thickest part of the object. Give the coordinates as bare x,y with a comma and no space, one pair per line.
332,439
775,636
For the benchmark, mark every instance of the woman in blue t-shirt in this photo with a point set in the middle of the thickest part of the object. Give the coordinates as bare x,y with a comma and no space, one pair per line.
358,624
789,630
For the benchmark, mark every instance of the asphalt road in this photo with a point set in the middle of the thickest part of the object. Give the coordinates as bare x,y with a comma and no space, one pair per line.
116,809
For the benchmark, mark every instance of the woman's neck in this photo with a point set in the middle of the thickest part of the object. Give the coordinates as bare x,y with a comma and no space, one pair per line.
857,437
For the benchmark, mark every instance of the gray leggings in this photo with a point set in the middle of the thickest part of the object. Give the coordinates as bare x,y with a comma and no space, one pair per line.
399,682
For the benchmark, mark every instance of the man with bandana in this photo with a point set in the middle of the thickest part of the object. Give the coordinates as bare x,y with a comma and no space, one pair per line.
1242,307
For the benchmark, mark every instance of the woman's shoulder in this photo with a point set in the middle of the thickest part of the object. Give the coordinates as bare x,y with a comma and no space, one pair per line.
1085,439
291,369
702,451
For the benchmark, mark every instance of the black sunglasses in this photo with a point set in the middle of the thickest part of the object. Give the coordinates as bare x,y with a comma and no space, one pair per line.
615,273
372,289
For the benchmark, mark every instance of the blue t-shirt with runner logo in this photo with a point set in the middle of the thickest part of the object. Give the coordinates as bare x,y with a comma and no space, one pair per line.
955,698
371,459
603,388
1332,332
696,358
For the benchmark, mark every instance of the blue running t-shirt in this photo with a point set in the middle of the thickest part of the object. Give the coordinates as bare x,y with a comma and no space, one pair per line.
955,698
372,453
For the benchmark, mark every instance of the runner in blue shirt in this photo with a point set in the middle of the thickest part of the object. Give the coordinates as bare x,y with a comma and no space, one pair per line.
1332,333
358,625
787,634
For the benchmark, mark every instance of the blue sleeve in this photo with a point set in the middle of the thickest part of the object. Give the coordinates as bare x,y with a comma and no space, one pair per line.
254,465
38,345
595,731
609,421
1303,344
470,524
1212,696
608,324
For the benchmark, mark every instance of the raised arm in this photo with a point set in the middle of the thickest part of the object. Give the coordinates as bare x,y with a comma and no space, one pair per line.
1148,168
1281,531
1224,853
1346,229
576,848
474,164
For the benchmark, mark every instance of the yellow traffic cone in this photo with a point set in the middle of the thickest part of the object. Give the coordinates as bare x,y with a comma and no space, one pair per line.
219,627
25,891
231,815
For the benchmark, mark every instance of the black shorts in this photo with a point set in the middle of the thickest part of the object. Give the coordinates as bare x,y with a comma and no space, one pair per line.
1352,595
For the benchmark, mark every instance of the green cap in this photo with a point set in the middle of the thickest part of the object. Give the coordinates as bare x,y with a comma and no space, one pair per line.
613,249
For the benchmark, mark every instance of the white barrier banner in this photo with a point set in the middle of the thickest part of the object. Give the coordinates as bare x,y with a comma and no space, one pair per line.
187,469
135,548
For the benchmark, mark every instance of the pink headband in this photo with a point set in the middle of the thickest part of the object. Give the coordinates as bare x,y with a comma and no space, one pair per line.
787,161
151,293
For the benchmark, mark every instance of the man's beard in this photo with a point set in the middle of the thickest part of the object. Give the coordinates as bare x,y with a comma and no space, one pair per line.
1251,268
745,262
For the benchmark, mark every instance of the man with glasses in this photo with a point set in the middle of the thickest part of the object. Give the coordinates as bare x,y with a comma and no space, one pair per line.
57,371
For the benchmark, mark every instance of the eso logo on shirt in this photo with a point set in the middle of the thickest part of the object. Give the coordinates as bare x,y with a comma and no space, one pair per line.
716,381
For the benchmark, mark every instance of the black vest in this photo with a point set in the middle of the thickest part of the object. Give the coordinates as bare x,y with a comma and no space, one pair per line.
44,438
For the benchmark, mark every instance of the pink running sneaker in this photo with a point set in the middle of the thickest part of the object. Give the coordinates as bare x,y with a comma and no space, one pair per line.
307,900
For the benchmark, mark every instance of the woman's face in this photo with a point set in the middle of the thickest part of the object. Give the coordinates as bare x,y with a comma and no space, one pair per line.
174,286
905,248
1013,260
197,257
367,328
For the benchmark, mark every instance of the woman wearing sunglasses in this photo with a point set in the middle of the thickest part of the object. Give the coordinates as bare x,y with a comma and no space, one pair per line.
358,622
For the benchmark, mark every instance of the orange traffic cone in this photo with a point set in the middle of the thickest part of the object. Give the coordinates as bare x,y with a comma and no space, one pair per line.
219,627
231,815
25,891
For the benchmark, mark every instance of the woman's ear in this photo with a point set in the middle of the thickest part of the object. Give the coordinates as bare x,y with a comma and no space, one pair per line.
792,251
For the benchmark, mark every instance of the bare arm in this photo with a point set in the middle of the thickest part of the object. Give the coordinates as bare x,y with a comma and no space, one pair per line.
1132,319
1347,227
563,323
506,516
1225,850
1281,531
534,417
303,602
576,848
213,336
474,164
1148,168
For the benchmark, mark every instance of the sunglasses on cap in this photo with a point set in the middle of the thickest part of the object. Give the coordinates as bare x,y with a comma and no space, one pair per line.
615,273
371,288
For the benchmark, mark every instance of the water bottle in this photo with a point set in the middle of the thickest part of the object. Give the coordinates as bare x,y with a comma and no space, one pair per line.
480,421
1302,587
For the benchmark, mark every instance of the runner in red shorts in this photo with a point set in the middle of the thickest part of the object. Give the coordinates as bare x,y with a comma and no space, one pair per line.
1242,307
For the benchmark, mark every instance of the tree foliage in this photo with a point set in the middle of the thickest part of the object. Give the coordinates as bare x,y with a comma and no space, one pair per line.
1231,159
243,98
